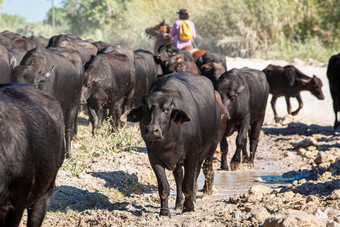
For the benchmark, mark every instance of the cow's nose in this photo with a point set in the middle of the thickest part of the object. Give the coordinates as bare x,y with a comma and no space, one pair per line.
321,97
153,130
82,101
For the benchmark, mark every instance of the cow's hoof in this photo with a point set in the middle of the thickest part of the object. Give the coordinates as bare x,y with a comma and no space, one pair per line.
188,206
337,126
225,167
164,212
188,209
207,190
179,206
295,113
234,166
246,160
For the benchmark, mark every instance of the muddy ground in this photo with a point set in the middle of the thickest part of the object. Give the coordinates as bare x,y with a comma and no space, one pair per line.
100,188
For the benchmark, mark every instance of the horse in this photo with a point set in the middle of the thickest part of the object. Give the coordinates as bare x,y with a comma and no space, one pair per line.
161,32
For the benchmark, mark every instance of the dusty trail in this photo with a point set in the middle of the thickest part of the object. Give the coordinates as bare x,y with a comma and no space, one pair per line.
120,189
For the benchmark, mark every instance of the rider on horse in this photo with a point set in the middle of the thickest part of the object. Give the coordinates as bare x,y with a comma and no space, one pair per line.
183,18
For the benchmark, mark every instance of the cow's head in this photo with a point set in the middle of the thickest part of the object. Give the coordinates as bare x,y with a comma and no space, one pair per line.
169,59
316,87
212,70
229,90
158,114
90,82
31,74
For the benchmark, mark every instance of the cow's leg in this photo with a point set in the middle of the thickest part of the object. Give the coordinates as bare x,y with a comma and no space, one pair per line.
208,172
245,156
254,138
163,188
178,174
336,122
289,106
191,171
224,151
37,212
14,213
93,117
70,117
273,102
112,114
336,108
298,97
240,142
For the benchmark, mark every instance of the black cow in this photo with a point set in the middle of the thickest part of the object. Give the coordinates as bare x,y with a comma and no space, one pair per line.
288,81
31,152
52,71
112,72
12,39
175,63
168,54
167,50
211,57
244,93
146,73
5,70
56,40
40,40
15,56
181,123
85,49
212,70
333,74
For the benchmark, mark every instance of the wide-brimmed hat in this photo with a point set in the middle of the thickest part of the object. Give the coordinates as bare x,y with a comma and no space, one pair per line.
182,11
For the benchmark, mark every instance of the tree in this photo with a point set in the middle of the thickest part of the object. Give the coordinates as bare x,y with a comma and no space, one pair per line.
84,15
60,16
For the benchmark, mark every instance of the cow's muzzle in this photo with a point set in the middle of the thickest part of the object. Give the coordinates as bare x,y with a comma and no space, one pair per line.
152,132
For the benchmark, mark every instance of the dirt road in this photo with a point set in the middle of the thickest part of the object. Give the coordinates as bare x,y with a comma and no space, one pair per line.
99,188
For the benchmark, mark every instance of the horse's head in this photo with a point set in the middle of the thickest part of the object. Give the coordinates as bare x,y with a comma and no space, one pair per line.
162,29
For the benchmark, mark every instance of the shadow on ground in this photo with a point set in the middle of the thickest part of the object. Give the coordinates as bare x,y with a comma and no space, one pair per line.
300,129
71,198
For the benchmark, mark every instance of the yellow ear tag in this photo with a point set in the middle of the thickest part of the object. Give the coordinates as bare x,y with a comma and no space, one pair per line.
179,59
99,81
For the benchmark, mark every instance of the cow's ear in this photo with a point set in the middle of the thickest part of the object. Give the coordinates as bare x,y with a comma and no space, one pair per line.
179,116
133,115
47,74
304,81
12,62
240,89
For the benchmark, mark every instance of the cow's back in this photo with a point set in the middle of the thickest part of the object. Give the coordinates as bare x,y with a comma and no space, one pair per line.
32,144
259,90
5,69
253,97
66,82
277,80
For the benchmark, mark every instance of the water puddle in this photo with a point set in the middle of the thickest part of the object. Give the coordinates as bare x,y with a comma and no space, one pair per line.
231,183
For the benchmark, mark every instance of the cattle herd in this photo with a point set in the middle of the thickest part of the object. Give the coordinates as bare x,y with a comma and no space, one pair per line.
186,104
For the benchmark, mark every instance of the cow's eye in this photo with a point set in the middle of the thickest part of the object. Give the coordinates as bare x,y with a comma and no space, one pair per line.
166,110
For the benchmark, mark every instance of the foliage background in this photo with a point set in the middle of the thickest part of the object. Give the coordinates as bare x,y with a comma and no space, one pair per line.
279,29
